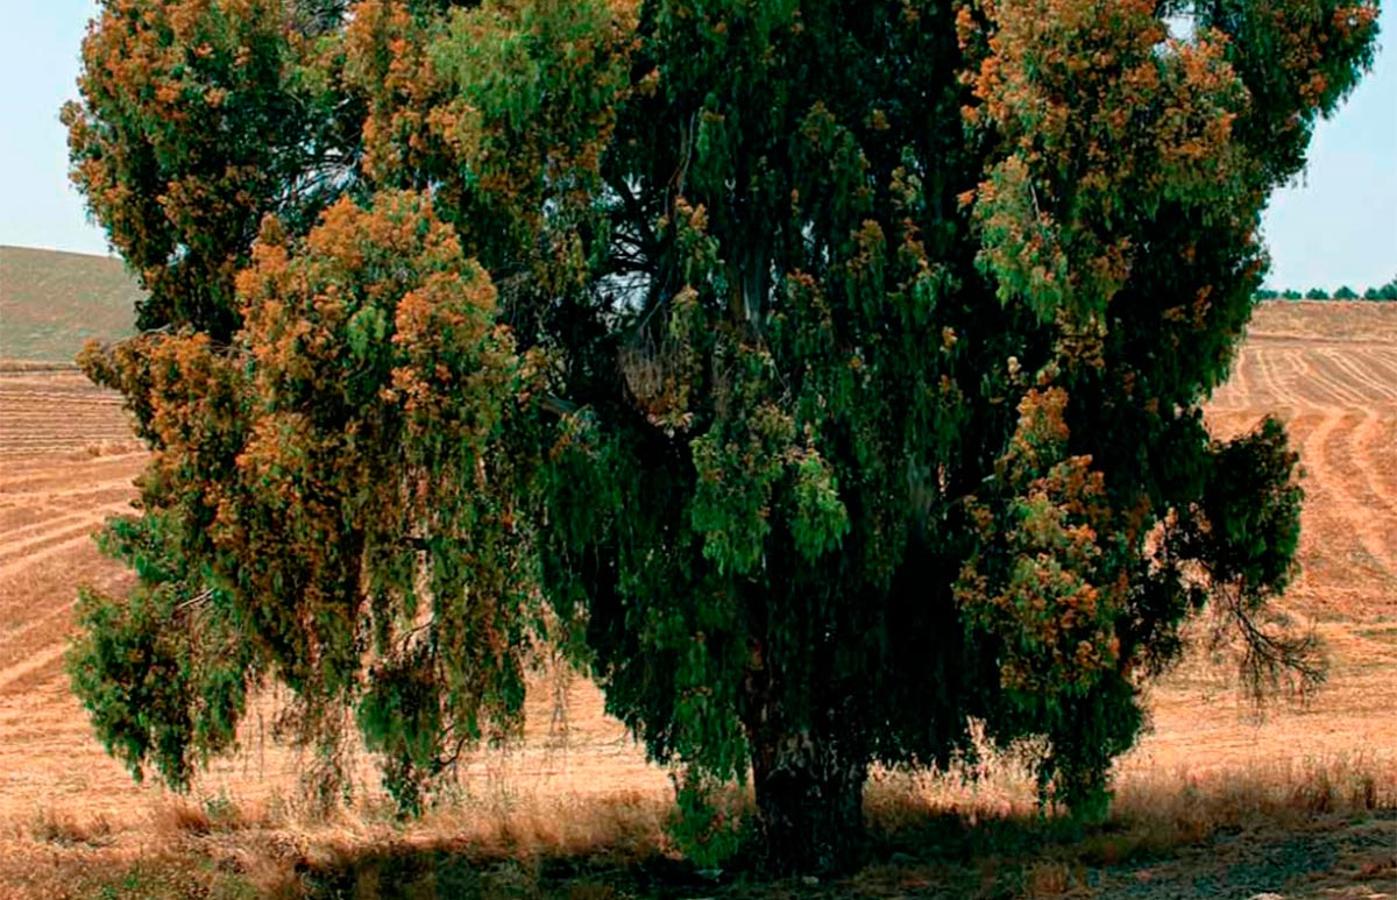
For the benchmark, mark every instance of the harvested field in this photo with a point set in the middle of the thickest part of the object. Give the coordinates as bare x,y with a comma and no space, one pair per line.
1329,370
54,412
67,461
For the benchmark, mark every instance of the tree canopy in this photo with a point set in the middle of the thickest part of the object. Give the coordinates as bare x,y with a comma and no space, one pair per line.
1386,292
820,376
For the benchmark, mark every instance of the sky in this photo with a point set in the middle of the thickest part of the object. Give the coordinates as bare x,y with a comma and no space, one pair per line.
1336,225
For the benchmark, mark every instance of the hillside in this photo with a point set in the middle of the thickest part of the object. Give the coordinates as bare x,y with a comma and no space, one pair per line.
51,302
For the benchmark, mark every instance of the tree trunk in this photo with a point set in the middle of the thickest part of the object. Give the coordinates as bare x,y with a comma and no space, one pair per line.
809,801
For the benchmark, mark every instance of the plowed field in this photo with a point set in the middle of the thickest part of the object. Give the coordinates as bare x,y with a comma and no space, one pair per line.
1329,370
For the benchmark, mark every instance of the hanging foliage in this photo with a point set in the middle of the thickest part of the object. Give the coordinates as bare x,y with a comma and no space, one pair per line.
821,376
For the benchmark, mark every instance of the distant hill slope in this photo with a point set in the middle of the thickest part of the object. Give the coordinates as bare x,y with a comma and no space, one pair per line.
51,302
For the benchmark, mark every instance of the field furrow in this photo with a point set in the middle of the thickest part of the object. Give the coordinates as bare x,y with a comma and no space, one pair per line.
1312,386
1269,387
1369,515
1382,364
17,550
1369,385
1375,443
45,519
1326,371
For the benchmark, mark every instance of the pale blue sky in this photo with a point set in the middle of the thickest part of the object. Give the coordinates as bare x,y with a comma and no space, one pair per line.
1337,225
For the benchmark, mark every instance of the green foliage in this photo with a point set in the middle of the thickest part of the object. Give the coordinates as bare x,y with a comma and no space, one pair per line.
819,375
296,463
196,120
1386,292
706,825
163,671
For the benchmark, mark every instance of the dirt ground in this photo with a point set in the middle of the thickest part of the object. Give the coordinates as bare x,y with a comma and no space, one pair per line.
1328,370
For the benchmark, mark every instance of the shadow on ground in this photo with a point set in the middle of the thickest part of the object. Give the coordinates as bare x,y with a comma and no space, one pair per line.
1353,856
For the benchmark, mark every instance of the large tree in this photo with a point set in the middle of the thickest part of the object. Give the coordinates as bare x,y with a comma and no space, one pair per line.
822,376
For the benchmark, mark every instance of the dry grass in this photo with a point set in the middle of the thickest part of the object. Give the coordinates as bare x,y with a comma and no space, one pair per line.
178,816
629,824
1170,809
932,833
65,829
1174,806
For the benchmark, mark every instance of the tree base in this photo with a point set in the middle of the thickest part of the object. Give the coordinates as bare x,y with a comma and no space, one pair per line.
809,805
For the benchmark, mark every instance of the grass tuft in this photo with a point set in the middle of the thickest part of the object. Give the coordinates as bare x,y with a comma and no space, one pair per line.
63,828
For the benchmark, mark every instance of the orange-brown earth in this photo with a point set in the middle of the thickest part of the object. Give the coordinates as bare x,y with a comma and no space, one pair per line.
1329,370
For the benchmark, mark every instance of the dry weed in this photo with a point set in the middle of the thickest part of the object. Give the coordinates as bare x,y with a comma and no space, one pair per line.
1276,790
63,828
627,824
182,816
